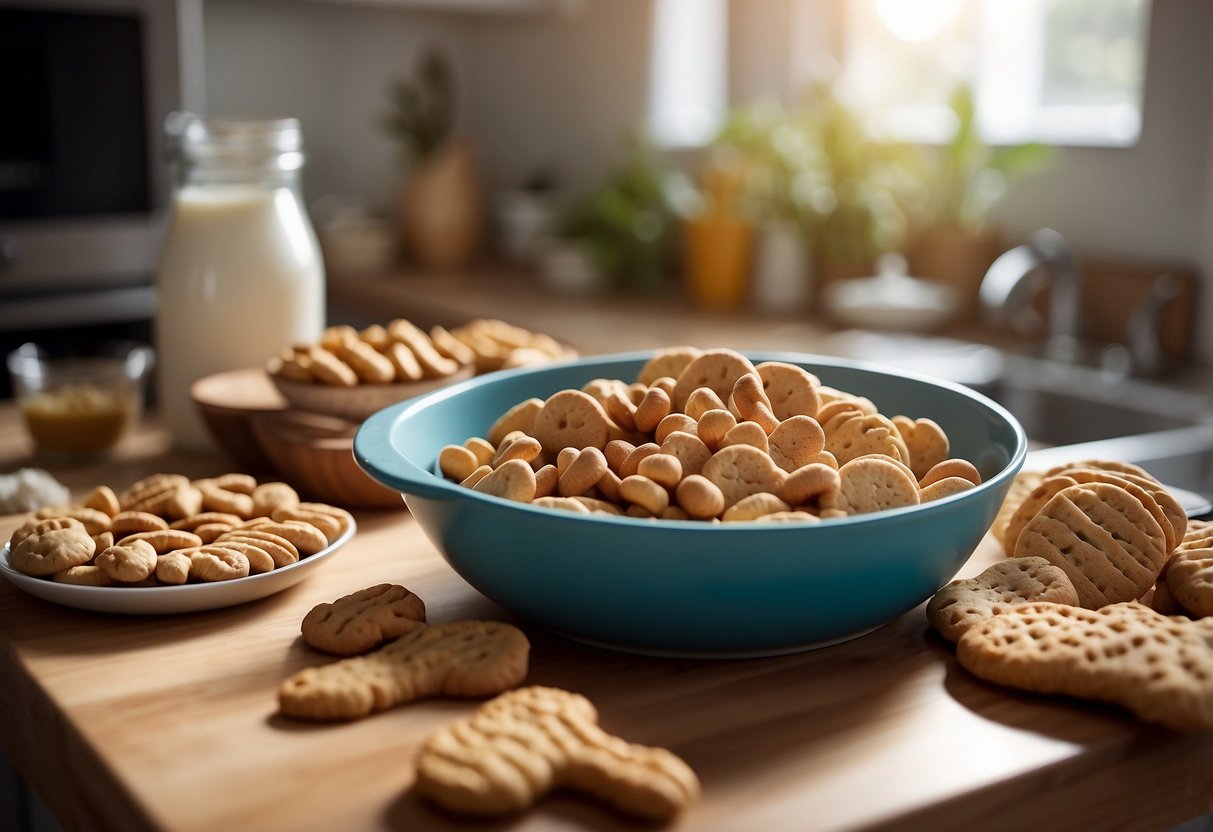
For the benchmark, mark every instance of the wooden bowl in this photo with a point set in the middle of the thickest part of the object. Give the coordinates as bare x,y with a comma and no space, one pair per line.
227,402
315,454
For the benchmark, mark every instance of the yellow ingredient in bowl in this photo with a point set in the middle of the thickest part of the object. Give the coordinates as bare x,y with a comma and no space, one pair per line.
78,418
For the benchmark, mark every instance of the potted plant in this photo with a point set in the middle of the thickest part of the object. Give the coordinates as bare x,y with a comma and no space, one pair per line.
954,240
440,202
625,225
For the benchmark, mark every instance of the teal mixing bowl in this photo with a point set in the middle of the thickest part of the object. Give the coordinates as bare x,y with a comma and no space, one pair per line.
684,588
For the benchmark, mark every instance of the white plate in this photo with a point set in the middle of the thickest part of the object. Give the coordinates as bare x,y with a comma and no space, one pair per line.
159,600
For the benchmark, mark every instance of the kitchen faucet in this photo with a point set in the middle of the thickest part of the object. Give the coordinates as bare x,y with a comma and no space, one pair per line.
1019,274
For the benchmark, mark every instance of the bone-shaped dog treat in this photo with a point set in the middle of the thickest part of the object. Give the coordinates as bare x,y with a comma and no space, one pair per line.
525,743
459,658
363,620
1159,667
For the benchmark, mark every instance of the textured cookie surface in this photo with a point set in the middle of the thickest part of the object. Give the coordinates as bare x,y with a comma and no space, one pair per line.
361,621
1159,667
1109,545
521,745
460,658
964,603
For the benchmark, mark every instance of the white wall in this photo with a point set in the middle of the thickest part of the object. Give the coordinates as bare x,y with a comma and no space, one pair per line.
563,90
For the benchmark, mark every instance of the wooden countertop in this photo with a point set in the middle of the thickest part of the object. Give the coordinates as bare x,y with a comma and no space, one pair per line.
169,722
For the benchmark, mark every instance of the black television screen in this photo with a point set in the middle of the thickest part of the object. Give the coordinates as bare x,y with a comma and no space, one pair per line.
73,110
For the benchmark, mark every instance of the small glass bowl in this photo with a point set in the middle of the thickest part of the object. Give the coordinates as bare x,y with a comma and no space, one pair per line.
78,408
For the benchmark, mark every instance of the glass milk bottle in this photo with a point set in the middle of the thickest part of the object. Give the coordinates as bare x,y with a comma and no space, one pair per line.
240,274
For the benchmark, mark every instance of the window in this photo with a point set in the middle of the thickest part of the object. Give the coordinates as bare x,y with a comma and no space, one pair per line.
1056,71
688,84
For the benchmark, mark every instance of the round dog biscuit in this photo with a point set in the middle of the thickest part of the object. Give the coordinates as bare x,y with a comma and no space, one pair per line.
966,602
668,362
129,562
796,441
741,470
873,483
791,390
718,369
571,419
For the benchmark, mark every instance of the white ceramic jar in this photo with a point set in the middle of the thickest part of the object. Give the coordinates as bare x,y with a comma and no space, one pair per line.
241,275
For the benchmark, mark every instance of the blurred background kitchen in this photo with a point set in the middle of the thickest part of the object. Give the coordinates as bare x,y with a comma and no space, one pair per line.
769,162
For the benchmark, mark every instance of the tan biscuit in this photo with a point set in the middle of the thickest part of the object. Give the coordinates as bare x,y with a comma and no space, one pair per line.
833,414
741,470
102,498
791,390
689,449
52,545
360,622
714,426
1161,599
601,389
405,367
643,492
460,658
701,400
281,550
173,568
482,448
520,446
1025,483
747,433
632,462
476,476
668,363
1158,667
192,522
236,482
562,504
129,522
306,538
103,540
1112,465
1173,520
368,364
213,562
622,411
718,369
164,540
753,507
582,474
519,417
1189,577
616,451
598,506
926,441
327,368
861,435
752,403
259,559
149,489
807,483
571,419
457,462
94,521
338,335
433,363
872,483
128,562
451,347
652,409
953,467
963,603
86,575
375,335
216,498
663,469
268,496
1197,529
699,497
796,441
1028,508
672,423
331,520
512,480
608,486
1109,545
547,481
947,487
522,745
